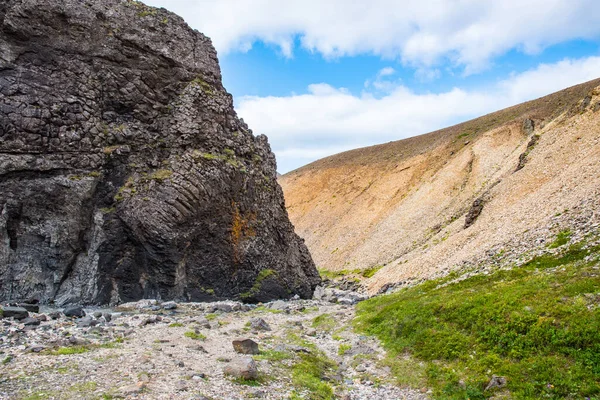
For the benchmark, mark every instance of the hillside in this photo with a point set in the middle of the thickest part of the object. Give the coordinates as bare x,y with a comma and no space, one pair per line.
532,171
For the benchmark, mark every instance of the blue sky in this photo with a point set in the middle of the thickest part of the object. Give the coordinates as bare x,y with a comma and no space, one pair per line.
323,77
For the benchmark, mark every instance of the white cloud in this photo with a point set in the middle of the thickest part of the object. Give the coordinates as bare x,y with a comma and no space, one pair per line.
469,33
383,81
427,74
387,71
302,128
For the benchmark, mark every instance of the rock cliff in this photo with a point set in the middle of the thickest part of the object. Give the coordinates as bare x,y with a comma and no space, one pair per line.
124,170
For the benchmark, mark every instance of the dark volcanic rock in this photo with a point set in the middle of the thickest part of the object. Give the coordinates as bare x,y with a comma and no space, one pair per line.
474,212
124,170
31,321
75,311
14,312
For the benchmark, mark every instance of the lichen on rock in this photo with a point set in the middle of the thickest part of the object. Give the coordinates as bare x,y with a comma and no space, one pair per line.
124,171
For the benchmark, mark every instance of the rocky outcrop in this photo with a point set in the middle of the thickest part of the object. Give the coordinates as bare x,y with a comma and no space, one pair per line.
474,212
523,156
124,170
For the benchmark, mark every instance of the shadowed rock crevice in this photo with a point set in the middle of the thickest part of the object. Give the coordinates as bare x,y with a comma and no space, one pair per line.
124,171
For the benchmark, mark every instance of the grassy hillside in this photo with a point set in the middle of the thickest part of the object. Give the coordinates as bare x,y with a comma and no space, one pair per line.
400,208
537,325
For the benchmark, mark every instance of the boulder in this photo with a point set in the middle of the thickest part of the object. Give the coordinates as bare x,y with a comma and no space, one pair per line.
244,368
496,382
169,305
29,321
245,346
86,322
34,308
319,293
54,315
259,324
17,313
279,305
202,322
74,312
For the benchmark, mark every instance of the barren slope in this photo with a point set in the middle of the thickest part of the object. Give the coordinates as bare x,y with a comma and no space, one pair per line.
402,205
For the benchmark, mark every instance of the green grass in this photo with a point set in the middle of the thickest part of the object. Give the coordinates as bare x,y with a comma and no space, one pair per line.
365,273
175,325
194,335
272,355
205,86
562,238
538,325
261,309
83,388
369,272
256,288
310,371
324,322
331,275
115,344
66,351
161,175
343,349
39,395
247,382
308,374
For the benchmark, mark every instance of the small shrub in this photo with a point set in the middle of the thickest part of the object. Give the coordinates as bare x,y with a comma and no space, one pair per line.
343,349
194,335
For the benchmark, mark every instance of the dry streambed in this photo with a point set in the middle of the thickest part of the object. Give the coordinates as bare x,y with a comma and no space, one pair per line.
306,350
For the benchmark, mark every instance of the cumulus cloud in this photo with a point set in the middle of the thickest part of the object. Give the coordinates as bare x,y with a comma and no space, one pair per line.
327,120
468,33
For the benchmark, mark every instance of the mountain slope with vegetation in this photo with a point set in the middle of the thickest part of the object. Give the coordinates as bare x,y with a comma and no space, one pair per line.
534,326
489,192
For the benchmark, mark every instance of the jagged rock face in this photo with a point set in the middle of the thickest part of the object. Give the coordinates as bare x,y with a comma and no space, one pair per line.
124,170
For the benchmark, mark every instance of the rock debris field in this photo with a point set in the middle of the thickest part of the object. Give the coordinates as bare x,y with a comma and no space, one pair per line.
297,349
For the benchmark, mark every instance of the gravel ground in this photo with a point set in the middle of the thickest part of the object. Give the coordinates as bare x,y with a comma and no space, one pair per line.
144,354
